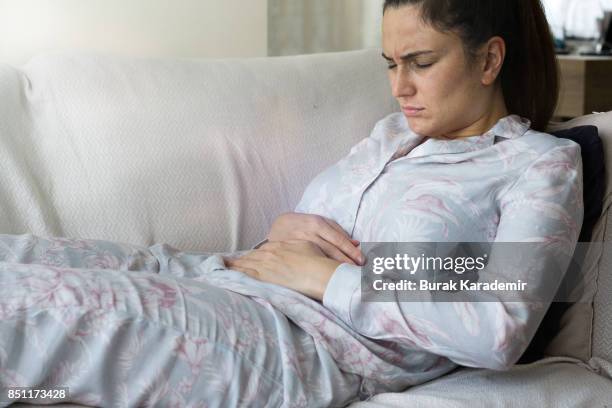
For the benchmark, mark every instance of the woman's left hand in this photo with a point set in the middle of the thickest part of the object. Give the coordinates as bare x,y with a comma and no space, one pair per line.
296,264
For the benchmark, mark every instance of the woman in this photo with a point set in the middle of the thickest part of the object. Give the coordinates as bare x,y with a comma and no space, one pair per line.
283,325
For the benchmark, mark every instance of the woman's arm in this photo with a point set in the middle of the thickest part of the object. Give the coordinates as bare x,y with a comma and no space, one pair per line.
544,205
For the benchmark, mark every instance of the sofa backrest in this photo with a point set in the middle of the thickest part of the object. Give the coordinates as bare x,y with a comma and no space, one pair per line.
200,154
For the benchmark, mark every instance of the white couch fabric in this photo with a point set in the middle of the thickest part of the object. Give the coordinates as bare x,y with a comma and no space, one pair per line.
199,154
204,154
548,383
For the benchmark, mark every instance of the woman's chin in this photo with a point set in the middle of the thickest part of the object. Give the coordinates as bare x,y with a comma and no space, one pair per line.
419,125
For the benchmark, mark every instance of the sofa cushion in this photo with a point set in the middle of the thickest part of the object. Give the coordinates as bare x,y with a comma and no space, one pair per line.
541,384
602,311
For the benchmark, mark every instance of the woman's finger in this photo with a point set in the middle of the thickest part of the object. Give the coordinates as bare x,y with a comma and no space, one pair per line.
333,252
340,239
338,228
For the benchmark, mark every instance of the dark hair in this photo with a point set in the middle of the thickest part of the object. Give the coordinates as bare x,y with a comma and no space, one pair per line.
530,74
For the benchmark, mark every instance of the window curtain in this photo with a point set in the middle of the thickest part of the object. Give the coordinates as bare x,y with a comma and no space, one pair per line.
313,26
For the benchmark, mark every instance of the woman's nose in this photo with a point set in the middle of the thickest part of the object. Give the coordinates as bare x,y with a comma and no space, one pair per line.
402,84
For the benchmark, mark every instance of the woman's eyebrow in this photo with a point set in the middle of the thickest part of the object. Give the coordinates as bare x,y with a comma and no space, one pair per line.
409,55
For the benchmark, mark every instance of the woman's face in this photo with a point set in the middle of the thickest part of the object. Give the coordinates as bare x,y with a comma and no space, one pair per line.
434,76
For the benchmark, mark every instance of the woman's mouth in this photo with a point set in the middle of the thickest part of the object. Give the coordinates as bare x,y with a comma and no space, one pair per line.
411,110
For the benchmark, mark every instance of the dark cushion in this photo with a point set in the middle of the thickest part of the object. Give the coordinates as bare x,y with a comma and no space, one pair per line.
593,165
594,173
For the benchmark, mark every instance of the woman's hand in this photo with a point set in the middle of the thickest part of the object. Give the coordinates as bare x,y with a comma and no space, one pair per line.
326,233
295,264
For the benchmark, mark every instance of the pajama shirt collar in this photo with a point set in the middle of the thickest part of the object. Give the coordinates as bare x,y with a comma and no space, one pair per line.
406,141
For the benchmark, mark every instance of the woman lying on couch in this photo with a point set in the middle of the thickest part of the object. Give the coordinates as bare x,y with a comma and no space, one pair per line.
283,324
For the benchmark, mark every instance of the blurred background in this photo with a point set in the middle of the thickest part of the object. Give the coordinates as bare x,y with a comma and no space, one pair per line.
310,26
233,28
580,26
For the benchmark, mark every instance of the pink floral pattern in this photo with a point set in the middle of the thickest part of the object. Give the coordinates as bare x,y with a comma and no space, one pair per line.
150,338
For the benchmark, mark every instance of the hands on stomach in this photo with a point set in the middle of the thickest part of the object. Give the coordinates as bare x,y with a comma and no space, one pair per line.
324,232
302,253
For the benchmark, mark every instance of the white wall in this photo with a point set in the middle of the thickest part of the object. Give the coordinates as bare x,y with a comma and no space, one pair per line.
172,28
312,26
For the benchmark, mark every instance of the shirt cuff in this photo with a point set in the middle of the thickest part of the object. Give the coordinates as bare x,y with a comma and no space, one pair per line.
341,288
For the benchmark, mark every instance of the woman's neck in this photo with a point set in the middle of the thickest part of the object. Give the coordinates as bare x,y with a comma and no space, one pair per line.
497,111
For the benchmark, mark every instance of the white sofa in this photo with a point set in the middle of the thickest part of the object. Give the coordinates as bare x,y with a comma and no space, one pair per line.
204,154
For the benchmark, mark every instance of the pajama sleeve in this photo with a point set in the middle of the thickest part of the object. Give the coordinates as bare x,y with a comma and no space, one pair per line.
543,205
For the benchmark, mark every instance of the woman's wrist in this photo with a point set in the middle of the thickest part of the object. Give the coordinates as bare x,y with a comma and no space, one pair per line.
328,268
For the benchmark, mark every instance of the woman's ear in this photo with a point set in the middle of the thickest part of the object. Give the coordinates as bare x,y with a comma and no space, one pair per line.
495,52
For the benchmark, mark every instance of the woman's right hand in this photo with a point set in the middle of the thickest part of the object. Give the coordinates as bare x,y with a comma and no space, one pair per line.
324,232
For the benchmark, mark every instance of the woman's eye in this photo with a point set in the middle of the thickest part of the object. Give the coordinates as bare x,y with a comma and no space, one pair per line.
421,66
